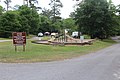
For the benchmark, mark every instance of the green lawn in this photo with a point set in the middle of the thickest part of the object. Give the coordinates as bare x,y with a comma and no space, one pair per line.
41,53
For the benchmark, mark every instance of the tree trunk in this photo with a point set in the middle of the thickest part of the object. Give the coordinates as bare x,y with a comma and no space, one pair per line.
7,6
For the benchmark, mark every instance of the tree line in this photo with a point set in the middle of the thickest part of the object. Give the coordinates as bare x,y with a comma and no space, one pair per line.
96,18
26,18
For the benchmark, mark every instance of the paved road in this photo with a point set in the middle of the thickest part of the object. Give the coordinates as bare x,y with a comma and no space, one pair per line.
5,40
101,65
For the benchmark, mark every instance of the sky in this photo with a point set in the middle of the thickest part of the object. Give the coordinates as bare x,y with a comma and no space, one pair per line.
65,11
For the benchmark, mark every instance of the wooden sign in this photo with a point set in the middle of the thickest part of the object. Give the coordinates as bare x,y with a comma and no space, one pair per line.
19,38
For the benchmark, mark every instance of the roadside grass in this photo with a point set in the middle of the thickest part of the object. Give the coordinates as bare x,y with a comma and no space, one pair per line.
30,36
45,53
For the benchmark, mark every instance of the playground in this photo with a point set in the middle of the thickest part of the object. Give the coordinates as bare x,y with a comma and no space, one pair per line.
64,39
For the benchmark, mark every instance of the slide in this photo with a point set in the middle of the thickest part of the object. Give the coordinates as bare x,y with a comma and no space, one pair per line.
71,38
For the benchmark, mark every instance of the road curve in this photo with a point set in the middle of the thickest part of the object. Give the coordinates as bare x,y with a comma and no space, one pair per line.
101,65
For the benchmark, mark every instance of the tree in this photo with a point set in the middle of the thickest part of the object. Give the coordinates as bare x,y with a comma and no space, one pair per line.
45,24
72,15
9,23
47,13
95,18
1,10
56,27
118,9
118,18
1,13
55,6
7,2
69,23
31,3
31,18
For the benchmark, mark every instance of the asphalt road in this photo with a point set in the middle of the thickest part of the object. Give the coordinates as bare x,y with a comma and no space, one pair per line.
101,65
5,40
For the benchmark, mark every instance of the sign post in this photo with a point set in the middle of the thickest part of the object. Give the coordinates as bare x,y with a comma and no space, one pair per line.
19,39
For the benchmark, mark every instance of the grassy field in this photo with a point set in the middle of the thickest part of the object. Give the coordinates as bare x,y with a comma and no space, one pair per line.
42,53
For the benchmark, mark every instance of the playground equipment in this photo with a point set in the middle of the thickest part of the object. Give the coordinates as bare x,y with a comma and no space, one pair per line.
65,39
68,40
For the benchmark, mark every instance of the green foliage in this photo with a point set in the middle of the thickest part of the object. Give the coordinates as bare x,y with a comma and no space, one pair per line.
118,19
24,19
1,10
31,18
55,6
56,26
53,23
72,15
96,18
1,13
45,24
47,12
9,23
69,23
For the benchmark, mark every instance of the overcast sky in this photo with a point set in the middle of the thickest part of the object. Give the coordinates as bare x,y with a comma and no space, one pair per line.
67,5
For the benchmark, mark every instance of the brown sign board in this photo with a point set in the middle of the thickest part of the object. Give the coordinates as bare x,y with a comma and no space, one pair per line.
19,38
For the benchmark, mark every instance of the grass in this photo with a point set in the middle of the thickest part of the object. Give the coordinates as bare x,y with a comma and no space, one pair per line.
46,38
86,36
30,36
44,53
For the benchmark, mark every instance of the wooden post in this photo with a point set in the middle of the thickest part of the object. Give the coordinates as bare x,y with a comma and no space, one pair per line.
23,47
15,48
